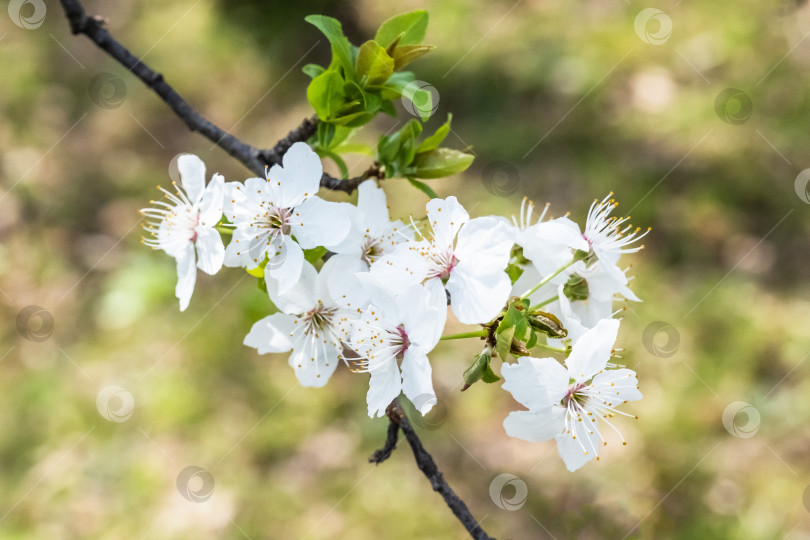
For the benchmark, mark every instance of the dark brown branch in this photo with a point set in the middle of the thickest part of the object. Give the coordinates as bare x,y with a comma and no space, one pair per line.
253,158
399,421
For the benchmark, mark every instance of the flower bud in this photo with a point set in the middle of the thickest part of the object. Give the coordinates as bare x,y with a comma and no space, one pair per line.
576,288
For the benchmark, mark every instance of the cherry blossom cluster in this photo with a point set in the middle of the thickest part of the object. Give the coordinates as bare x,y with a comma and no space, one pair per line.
350,286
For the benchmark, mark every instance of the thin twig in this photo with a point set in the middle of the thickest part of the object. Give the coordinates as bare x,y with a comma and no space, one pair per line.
251,157
399,421
256,160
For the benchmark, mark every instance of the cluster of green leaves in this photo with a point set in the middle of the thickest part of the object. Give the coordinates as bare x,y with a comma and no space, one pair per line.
514,333
404,157
519,329
362,81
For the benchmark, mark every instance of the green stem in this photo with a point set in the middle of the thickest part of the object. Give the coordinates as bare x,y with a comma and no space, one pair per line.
225,230
550,348
559,271
464,335
544,303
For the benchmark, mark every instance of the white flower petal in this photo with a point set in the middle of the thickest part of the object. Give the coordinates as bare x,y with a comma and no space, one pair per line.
383,386
398,270
272,334
317,222
477,298
313,360
210,250
299,177
212,201
373,207
536,383
484,244
293,296
580,445
592,352
535,426
446,216
186,276
192,175
236,253
345,288
417,379
285,264
423,312
569,319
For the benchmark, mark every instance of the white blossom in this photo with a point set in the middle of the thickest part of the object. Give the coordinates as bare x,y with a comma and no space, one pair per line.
548,244
184,225
310,324
468,256
371,236
565,402
401,330
267,213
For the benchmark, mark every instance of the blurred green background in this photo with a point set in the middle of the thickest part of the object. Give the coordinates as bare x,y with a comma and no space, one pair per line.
567,100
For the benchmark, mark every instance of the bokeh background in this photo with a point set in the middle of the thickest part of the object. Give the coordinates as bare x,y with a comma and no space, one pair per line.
561,102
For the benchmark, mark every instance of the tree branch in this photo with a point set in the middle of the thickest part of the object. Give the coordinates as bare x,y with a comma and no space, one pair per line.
399,421
257,160
251,157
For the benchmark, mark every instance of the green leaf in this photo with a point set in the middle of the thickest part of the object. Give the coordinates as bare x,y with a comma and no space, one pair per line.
314,255
548,324
473,373
355,148
488,376
325,94
342,50
433,142
374,65
313,70
422,99
481,369
576,288
344,169
424,188
388,108
441,162
256,272
503,342
396,84
532,340
407,54
408,27
514,272
511,326
325,134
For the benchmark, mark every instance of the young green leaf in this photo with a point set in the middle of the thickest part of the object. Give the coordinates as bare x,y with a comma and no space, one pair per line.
325,94
374,65
488,376
314,255
396,84
313,70
408,27
503,341
344,169
424,188
548,324
512,326
433,142
440,162
407,54
342,49
514,272
324,135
